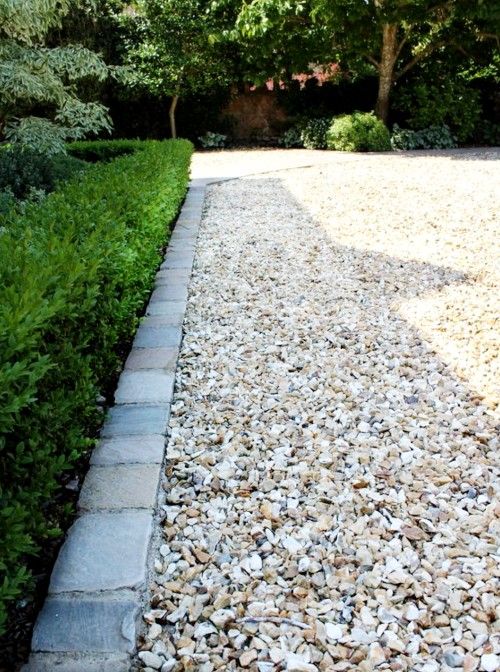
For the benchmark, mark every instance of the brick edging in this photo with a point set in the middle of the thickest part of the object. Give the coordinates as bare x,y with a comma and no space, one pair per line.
91,616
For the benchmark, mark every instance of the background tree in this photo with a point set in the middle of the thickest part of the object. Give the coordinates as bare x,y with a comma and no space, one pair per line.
392,36
39,104
175,50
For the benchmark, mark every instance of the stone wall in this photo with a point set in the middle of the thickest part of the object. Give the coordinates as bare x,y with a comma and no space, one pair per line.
255,115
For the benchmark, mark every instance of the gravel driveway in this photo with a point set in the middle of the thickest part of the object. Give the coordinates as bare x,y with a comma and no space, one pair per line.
330,492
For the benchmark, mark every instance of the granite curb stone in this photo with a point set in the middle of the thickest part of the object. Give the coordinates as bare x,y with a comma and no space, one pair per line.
104,551
120,486
67,662
158,336
172,310
140,387
170,292
134,420
145,449
86,625
159,359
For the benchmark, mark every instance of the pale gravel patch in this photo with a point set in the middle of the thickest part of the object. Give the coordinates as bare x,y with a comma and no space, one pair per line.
330,462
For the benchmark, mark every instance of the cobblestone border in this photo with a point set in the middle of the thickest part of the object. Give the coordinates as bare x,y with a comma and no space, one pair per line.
90,619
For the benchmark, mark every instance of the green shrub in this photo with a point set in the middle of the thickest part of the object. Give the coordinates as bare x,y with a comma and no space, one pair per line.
358,132
213,140
487,133
442,101
7,202
313,134
434,137
292,138
23,170
76,273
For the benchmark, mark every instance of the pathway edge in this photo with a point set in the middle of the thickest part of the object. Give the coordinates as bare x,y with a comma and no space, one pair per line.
91,616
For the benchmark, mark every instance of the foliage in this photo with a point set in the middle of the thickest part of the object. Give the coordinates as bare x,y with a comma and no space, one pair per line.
174,51
33,75
22,170
80,268
388,37
306,132
313,134
487,133
103,150
433,137
358,132
434,100
7,202
292,137
213,140
277,38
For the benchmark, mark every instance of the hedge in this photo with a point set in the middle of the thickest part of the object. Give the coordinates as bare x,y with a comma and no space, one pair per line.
76,272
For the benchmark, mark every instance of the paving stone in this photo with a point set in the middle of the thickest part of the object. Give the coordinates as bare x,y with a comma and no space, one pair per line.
127,420
169,292
190,211
174,276
159,336
64,662
152,358
172,310
130,450
94,625
139,387
184,260
183,233
179,246
120,487
103,551
185,224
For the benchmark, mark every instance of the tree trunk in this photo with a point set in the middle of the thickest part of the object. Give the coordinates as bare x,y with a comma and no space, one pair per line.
386,70
171,116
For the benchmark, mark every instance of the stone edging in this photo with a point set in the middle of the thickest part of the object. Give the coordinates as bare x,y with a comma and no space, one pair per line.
90,619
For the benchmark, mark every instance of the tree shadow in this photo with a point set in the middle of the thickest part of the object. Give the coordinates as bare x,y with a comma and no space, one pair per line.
459,154
363,292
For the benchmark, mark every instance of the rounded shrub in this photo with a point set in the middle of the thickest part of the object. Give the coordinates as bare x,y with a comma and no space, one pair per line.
358,132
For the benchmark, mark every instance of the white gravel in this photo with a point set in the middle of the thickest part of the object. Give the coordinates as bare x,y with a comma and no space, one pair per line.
330,493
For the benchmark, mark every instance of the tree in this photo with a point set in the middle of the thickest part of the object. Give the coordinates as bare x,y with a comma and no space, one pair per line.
39,104
175,51
391,35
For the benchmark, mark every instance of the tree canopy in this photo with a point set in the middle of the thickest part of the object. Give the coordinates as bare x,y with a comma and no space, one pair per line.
175,50
390,36
39,102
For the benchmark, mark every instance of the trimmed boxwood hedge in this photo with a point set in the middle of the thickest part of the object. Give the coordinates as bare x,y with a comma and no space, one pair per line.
75,274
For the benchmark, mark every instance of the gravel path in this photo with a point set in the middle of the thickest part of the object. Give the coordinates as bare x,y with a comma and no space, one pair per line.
329,495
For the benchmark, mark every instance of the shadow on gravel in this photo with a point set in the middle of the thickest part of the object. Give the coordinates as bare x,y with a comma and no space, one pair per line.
362,289
467,154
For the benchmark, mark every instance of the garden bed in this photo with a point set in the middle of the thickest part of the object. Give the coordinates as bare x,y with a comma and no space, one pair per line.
80,270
